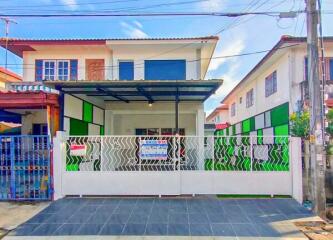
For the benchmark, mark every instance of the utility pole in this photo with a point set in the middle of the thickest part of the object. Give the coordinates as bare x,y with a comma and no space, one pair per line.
7,22
317,154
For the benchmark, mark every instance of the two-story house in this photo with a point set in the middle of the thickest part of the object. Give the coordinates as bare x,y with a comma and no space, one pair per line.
123,86
263,100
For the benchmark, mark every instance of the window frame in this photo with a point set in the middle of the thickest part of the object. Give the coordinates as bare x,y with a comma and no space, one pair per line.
125,61
233,109
45,61
68,70
271,84
56,69
250,98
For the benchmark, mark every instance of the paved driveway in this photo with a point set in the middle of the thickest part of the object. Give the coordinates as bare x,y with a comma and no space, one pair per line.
166,217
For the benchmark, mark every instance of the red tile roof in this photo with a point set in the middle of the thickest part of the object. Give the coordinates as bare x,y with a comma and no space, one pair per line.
19,45
10,73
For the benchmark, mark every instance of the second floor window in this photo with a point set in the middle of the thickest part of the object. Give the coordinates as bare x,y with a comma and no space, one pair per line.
126,70
165,69
233,109
249,98
50,70
270,84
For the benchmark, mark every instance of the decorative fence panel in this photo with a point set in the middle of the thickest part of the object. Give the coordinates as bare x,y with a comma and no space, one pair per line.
25,167
173,165
171,153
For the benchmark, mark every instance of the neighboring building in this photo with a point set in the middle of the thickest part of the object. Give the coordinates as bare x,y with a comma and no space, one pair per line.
7,76
219,115
123,86
277,86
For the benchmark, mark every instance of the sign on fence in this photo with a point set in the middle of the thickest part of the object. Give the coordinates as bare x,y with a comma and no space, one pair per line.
78,150
153,149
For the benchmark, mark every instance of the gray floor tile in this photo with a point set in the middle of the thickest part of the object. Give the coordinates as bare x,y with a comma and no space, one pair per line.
119,218
112,229
156,229
223,229
138,218
266,230
218,218
134,229
178,218
89,229
245,230
198,218
106,209
160,217
238,218
99,218
95,201
177,209
124,209
24,230
40,218
45,229
67,229
88,209
178,230
232,209
200,230
79,218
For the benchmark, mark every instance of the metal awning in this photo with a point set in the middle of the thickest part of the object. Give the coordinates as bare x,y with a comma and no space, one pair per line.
141,90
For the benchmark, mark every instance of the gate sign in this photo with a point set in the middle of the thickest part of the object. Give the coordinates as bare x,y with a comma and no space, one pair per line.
78,150
153,149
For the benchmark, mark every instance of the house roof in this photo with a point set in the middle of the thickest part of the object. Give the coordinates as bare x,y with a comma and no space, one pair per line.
19,45
220,108
9,76
141,90
284,41
27,99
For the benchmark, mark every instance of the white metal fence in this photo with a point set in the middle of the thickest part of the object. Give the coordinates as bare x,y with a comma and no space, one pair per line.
171,153
173,165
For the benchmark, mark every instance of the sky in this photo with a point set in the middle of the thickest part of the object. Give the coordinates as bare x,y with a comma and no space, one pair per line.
237,35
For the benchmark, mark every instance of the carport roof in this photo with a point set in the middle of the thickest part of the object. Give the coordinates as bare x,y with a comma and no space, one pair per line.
141,90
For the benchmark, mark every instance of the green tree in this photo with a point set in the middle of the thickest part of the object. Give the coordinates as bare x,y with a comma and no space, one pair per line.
300,124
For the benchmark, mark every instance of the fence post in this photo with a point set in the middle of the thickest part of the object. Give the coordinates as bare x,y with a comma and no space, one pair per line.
12,167
102,153
212,141
59,163
295,166
251,153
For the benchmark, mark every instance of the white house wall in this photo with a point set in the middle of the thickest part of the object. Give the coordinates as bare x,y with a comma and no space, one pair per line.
81,53
147,52
112,56
261,103
35,117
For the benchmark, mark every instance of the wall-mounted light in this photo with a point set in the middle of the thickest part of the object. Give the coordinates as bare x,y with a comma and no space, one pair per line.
150,103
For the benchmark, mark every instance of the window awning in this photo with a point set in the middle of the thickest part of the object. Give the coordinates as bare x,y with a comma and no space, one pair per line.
141,90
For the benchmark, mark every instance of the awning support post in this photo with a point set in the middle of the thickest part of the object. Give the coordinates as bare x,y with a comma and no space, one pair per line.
177,113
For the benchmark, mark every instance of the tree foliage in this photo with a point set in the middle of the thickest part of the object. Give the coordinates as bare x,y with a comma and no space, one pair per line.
300,124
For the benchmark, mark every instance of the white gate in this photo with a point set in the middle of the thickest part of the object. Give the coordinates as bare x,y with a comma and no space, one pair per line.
173,165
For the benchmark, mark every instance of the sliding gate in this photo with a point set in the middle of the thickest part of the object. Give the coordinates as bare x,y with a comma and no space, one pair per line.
25,167
173,165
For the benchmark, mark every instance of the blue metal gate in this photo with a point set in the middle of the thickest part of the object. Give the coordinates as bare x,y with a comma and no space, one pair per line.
25,167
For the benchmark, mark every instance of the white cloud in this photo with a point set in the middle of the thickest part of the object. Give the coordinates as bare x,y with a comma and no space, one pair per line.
70,4
137,23
134,30
230,79
212,5
233,48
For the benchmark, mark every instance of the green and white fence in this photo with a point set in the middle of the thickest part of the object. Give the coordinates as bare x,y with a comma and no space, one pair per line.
168,165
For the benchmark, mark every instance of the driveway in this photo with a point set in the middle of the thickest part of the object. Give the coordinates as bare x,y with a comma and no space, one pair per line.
199,216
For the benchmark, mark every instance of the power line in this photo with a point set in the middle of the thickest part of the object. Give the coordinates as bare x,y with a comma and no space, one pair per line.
156,14
194,60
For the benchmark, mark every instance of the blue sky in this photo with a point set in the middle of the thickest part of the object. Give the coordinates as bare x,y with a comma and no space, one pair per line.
240,35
